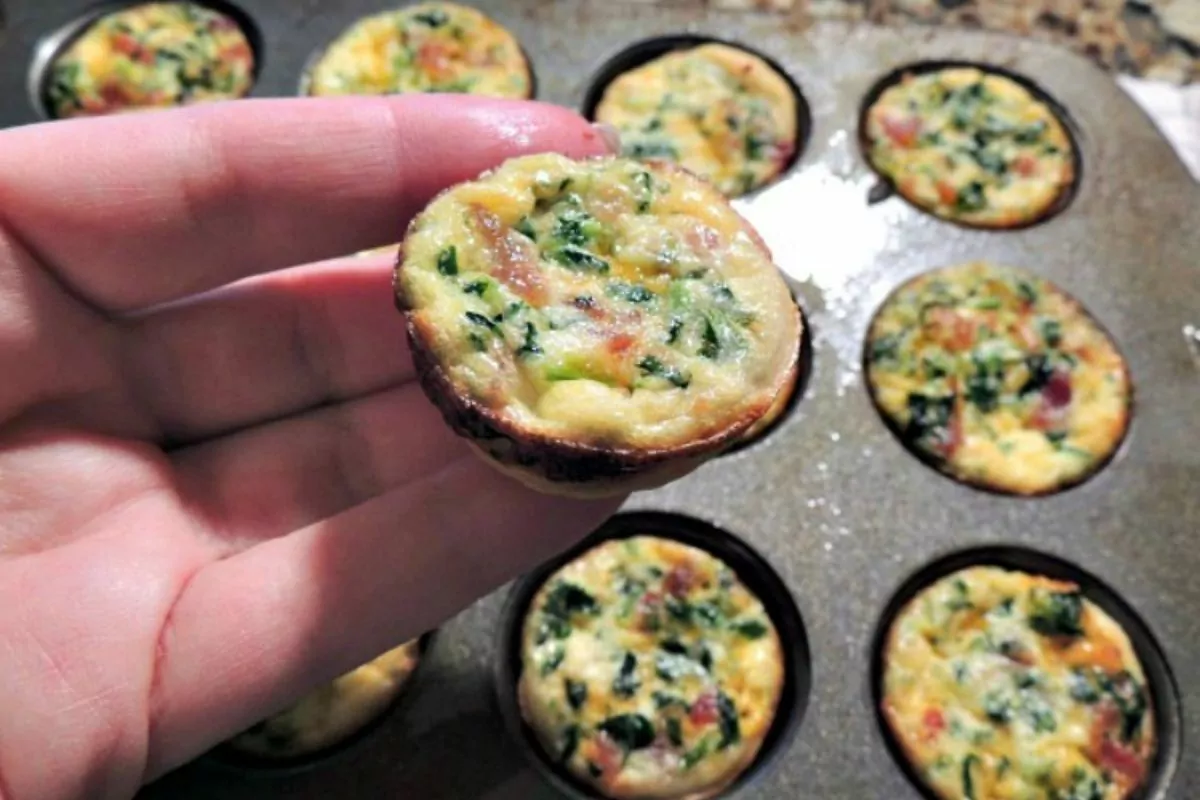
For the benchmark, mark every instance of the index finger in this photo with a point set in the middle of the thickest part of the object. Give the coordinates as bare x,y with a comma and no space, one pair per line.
135,210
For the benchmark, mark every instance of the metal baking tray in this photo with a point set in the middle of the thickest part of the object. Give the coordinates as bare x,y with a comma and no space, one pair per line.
845,515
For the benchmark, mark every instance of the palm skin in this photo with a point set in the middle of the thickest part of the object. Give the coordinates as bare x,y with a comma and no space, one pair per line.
219,483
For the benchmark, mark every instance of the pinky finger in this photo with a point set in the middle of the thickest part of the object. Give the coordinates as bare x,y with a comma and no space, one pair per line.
254,631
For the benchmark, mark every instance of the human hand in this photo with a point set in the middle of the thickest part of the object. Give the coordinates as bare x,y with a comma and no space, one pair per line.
220,484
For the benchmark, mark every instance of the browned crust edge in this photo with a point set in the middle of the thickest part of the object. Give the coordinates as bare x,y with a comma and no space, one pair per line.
942,465
558,465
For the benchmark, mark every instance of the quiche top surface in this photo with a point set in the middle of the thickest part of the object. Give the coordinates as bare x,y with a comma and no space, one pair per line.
151,55
971,146
650,670
607,303
429,47
720,112
1001,685
998,377
333,712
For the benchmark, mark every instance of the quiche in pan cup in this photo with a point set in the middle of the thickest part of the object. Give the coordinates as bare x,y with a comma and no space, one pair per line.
649,670
998,378
595,327
974,147
331,715
719,111
428,47
1002,684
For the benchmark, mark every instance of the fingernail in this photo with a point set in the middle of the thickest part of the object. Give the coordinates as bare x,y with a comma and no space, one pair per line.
610,136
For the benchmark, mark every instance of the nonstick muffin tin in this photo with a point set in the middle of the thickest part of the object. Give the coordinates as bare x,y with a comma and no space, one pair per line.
842,512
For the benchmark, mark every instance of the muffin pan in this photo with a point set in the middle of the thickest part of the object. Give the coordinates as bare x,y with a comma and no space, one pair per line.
839,509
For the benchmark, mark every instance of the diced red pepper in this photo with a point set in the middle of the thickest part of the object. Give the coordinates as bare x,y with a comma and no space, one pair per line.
1025,165
902,131
704,711
679,580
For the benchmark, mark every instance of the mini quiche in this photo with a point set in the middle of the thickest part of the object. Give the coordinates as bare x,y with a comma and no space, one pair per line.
334,712
595,326
720,112
649,670
151,55
430,47
971,146
1001,685
999,378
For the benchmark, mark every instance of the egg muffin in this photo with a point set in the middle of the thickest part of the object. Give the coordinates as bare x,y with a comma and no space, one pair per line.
971,146
999,378
718,111
429,47
649,670
334,712
1001,684
147,56
595,326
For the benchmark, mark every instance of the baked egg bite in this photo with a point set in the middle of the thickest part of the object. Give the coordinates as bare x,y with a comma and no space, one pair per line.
429,47
649,670
334,712
716,110
971,146
595,326
152,55
998,378
1001,685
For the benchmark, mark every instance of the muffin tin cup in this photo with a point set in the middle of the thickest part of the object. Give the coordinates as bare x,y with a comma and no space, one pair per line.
304,83
1160,681
51,46
931,461
647,50
224,757
752,570
884,190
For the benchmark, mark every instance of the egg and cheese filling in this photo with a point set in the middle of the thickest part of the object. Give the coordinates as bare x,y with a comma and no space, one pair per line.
429,47
720,112
151,55
333,712
971,146
604,301
999,377
1001,685
649,669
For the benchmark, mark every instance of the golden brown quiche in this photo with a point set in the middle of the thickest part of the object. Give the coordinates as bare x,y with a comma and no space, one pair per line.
428,47
1000,685
971,146
151,55
595,326
718,111
334,712
649,670
999,378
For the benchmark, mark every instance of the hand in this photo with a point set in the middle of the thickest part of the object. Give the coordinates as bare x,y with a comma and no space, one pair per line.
219,483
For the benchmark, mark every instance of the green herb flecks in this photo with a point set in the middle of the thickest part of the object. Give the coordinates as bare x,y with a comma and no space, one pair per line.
731,732
577,693
971,197
434,18
630,292
674,731
570,742
1056,613
750,628
629,731
627,682
447,261
968,781
530,346
653,366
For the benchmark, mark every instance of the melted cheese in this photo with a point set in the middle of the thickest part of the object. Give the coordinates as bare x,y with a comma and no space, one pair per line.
970,146
430,47
649,670
333,712
718,111
999,377
151,55
1005,686
603,302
